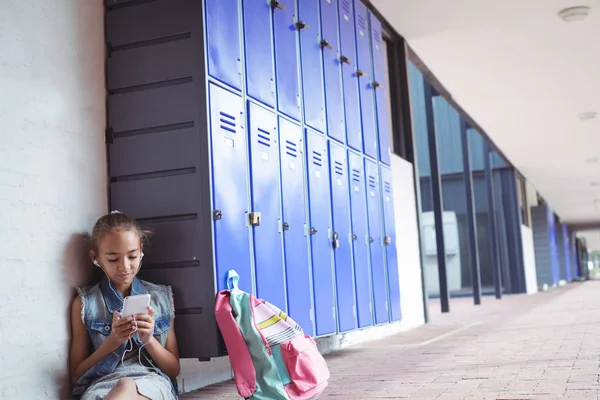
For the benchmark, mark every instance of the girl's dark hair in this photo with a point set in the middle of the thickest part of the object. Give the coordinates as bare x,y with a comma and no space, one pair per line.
116,222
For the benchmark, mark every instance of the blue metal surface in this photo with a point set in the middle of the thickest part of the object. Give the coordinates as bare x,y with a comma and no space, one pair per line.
322,268
333,71
312,65
567,252
367,105
360,231
286,60
379,72
554,263
258,53
340,205
294,215
266,199
223,40
230,186
378,274
391,252
350,81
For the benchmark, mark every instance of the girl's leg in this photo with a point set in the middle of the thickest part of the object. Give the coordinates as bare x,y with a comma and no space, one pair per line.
125,389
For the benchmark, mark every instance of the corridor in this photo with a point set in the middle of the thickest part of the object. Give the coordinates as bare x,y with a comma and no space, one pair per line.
523,347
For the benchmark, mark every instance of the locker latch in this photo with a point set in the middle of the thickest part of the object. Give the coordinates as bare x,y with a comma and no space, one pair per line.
377,85
255,218
217,215
345,60
354,237
275,4
286,226
325,43
371,240
360,73
313,230
301,25
387,240
336,240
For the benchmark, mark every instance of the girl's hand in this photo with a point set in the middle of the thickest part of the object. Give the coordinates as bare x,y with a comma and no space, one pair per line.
122,328
145,325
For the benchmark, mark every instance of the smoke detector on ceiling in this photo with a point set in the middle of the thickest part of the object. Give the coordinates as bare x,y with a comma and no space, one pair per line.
572,14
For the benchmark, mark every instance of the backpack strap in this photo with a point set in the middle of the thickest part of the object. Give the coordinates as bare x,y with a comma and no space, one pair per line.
232,280
239,355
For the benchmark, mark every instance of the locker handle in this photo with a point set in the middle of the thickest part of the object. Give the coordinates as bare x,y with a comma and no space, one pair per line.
313,231
360,73
286,226
345,60
371,240
325,43
275,4
354,237
336,240
387,240
301,25
217,215
255,218
377,85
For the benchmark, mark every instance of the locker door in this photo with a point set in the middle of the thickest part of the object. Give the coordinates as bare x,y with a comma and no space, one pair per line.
223,42
286,60
376,241
567,245
266,200
333,70
295,225
320,234
364,79
379,79
391,251
259,51
360,236
230,187
312,65
342,239
349,63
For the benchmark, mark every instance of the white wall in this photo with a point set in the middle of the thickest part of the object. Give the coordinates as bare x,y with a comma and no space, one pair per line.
52,181
531,283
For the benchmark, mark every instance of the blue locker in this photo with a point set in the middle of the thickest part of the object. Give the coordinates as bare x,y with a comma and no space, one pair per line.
297,264
312,64
342,237
223,42
567,246
350,81
266,199
286,60
391,252
230,187
367,106
379,79
376,243
260,77
332,68
320,234
360,236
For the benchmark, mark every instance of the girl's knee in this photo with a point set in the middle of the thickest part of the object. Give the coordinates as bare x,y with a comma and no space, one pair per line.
127,384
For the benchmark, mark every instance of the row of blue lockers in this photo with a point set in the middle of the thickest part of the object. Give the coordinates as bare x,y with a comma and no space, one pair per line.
306,222
319,62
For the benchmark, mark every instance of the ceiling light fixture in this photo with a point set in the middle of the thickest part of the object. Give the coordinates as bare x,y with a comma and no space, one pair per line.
592,160
572,14
586,116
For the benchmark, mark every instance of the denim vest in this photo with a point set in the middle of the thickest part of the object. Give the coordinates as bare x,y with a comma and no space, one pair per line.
99,302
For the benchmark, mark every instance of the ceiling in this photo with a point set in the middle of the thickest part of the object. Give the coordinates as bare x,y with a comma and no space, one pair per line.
524,76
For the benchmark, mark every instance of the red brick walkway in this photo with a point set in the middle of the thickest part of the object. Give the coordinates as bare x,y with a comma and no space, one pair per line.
545,346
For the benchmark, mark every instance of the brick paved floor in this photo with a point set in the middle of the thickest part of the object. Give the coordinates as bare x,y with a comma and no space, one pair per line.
545,346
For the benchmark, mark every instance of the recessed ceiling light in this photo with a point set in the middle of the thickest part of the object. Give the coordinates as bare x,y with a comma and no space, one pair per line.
572,14
586,116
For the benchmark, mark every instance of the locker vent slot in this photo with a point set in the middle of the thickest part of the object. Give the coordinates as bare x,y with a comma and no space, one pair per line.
153,175
355,175
291,148
228,122
167,219
346,6
152,85
339,168
264,137
372,181
154,129
317,159
387,187
124,4
377,36
150,42
362,22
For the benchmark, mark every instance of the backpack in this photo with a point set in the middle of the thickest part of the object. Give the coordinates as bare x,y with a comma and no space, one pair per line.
270,355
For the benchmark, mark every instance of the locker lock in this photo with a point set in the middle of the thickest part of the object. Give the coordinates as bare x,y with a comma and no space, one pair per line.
336,240
301,25
354,237
387,240
345,60
255,218
275,4
371,240
286,226
360,73
377,85
217,215
313,231
325,43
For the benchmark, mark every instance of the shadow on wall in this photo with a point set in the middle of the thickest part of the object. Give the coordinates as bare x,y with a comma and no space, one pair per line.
78,271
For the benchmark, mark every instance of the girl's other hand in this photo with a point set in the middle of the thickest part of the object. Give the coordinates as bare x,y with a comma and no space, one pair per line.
122,328
145,325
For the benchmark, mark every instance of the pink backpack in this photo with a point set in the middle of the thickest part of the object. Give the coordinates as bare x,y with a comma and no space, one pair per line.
270,355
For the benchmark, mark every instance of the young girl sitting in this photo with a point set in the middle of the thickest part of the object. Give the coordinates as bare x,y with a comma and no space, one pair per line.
116,357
